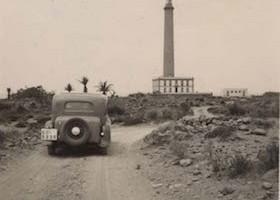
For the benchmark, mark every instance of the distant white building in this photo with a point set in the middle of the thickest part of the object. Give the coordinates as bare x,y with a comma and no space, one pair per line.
235,92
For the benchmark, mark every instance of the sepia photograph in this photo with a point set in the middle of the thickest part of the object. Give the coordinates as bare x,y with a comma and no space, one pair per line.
139,99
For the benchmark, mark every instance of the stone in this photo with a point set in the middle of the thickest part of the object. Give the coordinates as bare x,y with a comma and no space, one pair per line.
196,172
185,162
195,179
244,127
246,120
32,121
227,190
259,131
157,185
267,185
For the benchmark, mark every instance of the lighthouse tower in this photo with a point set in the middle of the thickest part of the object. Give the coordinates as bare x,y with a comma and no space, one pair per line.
169,83
168,61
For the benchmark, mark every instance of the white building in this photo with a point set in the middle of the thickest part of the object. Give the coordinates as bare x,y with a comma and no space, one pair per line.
235,92
173,85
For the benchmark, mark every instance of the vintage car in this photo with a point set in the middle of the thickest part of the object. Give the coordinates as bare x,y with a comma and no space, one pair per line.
78,119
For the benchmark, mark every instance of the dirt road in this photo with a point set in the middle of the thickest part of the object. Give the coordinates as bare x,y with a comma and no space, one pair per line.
81,175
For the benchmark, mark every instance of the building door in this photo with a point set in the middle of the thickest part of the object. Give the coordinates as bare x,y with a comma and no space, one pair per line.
176,89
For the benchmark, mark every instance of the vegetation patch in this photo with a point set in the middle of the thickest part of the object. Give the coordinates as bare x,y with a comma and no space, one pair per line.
222,132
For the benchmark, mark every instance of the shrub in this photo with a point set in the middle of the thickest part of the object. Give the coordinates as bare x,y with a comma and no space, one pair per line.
116,110
225,164
152,115
38,93
5,106
264,123
218,110
223,132
269,157
238,165
185,107
179,148
132,120
236,109
167,113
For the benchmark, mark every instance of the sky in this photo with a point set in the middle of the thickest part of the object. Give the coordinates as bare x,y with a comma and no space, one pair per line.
221,43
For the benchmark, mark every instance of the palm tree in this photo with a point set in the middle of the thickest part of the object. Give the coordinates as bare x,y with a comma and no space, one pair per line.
69,87
9,93
104,87
84,81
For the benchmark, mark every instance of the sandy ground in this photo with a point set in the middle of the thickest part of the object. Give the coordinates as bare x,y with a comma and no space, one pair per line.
81,175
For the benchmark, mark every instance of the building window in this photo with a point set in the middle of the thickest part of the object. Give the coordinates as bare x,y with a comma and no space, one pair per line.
170,90
182,89
164,90
170,83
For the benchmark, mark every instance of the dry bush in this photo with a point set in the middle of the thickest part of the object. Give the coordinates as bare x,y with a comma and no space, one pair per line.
132,120
266,124
179,148
218,110
269,156
116,110
238,165
236,109
152,114
168,113
223,132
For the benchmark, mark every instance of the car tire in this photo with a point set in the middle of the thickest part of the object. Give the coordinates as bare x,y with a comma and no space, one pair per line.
103,150
71,139
52,150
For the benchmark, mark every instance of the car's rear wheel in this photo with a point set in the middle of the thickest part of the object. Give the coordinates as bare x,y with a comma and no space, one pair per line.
76,132
51,149
103,150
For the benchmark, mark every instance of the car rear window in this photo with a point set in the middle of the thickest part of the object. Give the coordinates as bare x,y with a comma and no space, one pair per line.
78,106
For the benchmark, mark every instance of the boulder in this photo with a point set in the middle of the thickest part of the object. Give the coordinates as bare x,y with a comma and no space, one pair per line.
227,190
243,128
185,162
196,172
32,121
246,120
259,131
180,135
267,185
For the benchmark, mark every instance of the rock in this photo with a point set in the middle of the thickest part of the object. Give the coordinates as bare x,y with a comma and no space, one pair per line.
196,172
195,179
259,131
208,175
267,185
180,135
185,162
246,120
175,186
138,166
227,190
157,185
270,175
166,126
244,127
32,121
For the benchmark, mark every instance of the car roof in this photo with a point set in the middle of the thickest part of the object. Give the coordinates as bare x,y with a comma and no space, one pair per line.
78,97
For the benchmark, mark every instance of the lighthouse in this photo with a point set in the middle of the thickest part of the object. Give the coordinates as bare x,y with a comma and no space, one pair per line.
169,83
168,58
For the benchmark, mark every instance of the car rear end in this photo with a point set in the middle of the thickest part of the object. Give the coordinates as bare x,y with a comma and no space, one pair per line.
79,120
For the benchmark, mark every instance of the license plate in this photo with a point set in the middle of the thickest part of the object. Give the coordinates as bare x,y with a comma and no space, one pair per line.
49,134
